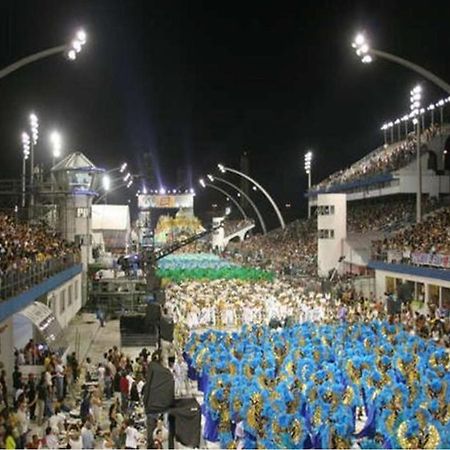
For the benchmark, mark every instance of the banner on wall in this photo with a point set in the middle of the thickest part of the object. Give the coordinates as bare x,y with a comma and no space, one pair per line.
431,259
165,201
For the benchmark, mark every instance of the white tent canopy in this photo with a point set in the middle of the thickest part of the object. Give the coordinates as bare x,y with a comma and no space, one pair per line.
113,221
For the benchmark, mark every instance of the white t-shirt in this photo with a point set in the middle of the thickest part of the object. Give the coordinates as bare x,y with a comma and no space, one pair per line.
56,422
131,440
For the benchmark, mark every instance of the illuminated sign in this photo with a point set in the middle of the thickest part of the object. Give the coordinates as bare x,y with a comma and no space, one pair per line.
165,201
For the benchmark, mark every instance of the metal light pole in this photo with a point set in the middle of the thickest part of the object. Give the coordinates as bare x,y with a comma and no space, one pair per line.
34,127
397,122
405,119
416,95
70,50
308,160
203,184
247,197
224,169
26,153
384,130
366,53
431,108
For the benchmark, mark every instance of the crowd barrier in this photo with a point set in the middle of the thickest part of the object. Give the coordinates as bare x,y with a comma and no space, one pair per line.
437,260
13,282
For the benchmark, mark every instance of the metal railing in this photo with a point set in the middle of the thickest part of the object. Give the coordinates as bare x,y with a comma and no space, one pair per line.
14,281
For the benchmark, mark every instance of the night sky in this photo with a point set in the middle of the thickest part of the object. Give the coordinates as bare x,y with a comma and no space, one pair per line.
193,83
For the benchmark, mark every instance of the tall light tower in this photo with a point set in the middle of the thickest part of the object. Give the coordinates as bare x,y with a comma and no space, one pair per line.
55,139
366,54
69,49
308,161
415,100
224,169
25,155
34,127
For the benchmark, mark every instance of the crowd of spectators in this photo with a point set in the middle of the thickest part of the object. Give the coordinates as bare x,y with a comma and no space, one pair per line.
382,160
23,245
292,251
231,226
85,406
432,236
385,214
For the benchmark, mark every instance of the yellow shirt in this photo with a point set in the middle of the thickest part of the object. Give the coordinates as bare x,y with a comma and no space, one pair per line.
10,443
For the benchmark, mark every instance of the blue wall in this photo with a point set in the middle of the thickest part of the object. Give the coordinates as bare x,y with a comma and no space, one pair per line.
437,274
17,303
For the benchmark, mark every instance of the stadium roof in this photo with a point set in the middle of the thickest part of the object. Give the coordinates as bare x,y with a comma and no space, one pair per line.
75,161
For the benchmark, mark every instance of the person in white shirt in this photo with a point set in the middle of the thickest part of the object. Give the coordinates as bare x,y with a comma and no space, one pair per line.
23,424
132,436
56,421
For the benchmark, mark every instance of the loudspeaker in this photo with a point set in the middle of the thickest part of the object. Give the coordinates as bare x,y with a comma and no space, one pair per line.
153,315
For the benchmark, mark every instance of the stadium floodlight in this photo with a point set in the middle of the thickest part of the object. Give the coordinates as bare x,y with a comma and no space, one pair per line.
416,110
26,142
221,168
202,182
55,139
106,182
127,177
366,53
210,178
70,50
191,191
123,167
130,182
162,191
76,45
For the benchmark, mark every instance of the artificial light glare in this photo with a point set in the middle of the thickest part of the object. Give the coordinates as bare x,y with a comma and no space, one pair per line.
106,181
359,39
72,54
366,59
123,167
221,167
210,178
202,182
81,36
55,139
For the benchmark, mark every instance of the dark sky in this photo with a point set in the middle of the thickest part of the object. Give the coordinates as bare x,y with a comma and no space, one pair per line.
197,82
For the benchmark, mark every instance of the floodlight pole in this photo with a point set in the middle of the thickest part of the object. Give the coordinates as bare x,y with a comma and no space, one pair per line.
32,58
227,195
250,201
410,65
275,207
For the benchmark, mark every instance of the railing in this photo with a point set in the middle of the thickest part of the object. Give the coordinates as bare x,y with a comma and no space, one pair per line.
14,281
435,260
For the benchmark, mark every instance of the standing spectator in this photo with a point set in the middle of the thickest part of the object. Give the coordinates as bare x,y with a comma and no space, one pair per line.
87,436
124,390
23,424
10,441
17,379
50,440
59,379
31,396
3,387
132,435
